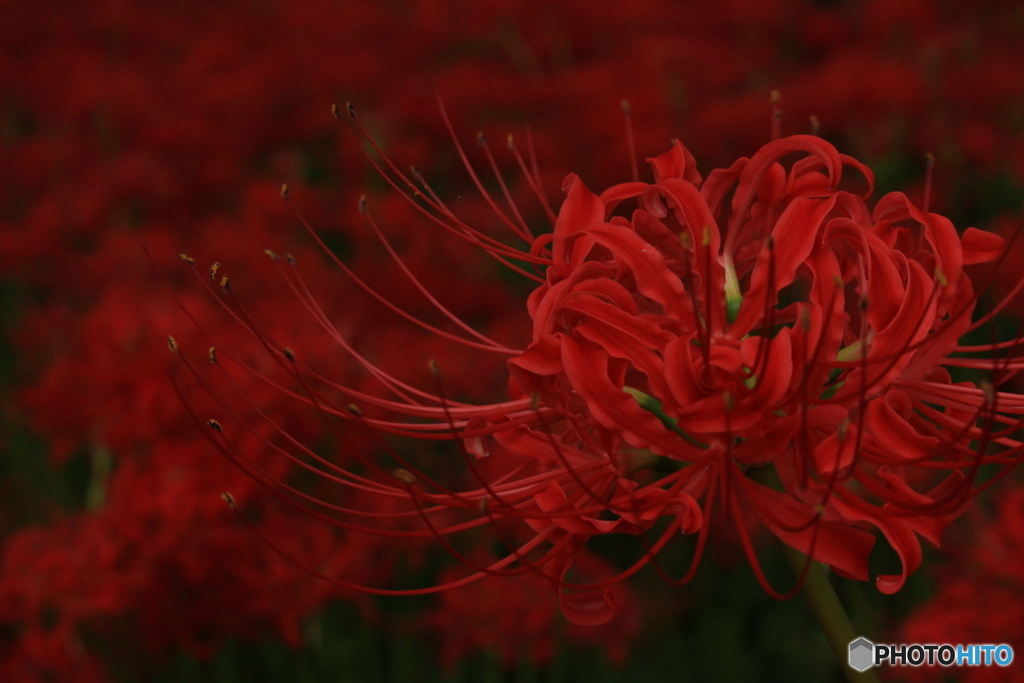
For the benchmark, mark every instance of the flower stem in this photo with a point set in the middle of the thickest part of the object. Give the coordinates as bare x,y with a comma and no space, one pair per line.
829,612
820,594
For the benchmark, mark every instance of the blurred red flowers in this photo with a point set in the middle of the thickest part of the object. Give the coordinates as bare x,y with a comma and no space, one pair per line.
979,593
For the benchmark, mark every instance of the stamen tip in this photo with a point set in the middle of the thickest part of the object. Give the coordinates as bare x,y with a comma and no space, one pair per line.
336,111
404,476
272,254
288,353
212,355
435,369
225,283
229,499
172,343
627,108
215,425
285,195
351,109
214,267
187,259
362,204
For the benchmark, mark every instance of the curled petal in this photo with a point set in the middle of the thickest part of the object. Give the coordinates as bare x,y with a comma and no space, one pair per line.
587,607
586,367
887,427
794,235
580,209
838,545
837,451
676,163
980,246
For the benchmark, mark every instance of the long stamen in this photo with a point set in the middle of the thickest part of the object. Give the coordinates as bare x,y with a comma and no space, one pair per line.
627,113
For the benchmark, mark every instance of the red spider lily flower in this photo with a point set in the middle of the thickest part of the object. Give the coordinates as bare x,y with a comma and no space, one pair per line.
760,339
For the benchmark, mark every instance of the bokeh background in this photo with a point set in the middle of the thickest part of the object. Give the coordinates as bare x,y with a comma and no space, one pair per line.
126,124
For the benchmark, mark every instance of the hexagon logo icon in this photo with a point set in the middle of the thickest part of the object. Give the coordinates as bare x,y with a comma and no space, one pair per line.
862,654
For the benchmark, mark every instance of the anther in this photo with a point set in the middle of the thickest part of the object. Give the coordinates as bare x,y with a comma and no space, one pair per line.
288,353
988,391
285,195
187,259
769,242
354,409
216,425
705,237
534,400
484,504
225,283
776,115
844,428
214,267
435,369
404,476
290,259
212,355
362,204
627,108
941,278
511,141
172,344
229,499
482,139
351,109
815,125
864,303
336,111
272,254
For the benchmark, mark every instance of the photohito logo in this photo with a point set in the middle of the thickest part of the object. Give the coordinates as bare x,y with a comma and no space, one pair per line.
864,654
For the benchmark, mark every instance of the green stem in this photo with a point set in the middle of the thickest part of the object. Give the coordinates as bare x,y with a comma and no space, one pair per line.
820,594
829,612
